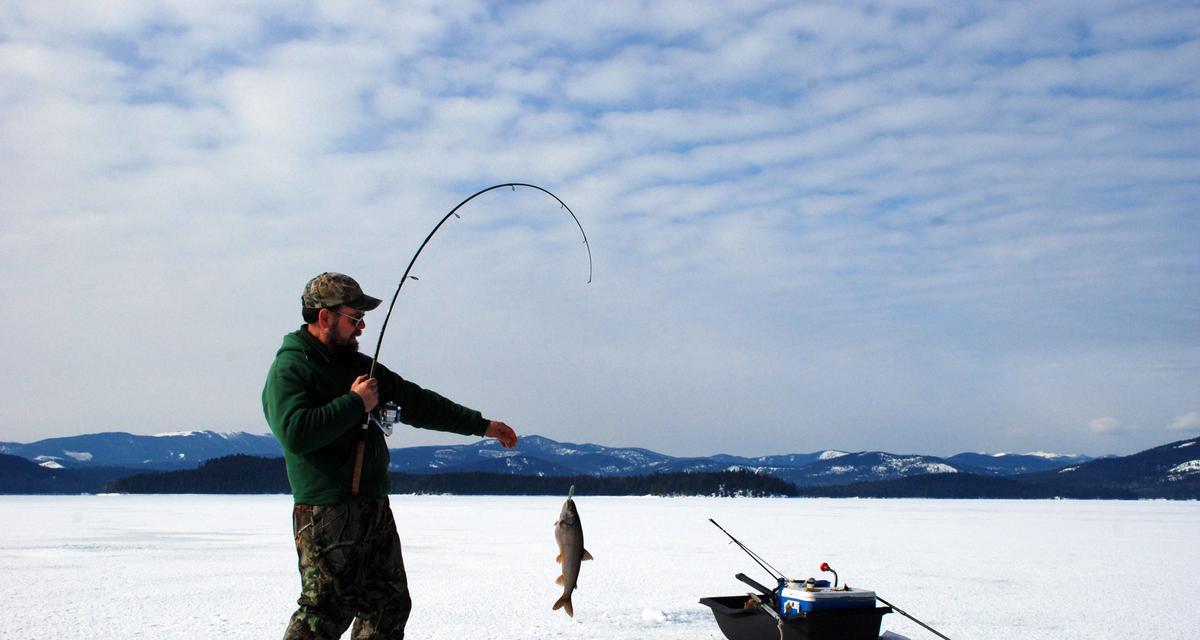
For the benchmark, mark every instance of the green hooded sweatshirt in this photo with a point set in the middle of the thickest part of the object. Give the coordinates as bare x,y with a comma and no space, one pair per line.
314,415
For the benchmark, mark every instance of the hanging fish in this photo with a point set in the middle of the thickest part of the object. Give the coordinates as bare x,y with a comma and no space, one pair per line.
568,532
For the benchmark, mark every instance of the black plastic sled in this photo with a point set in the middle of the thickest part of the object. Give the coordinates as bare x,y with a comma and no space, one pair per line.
741,622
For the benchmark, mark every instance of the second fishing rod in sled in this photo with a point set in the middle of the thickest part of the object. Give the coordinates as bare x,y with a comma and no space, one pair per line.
800,610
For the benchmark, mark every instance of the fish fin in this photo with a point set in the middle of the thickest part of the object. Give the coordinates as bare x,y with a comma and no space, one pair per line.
565,603
558,559
586,555
558,581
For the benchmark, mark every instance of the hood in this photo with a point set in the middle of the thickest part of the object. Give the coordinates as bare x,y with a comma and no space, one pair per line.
303,343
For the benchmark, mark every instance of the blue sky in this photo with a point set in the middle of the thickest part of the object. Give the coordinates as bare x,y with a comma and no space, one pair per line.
908,226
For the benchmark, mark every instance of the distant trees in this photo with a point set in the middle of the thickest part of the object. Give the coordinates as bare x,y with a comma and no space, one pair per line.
231,474
251,474
1139,477
724,484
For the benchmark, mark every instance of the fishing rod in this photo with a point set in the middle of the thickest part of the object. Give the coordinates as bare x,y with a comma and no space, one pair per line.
774,573
906,615
782,579
825,567
367,418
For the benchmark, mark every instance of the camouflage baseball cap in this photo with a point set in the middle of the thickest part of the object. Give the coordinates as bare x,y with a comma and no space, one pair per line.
332,289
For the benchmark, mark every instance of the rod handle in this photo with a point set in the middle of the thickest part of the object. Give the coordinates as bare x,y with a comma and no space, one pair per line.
358,464
754,583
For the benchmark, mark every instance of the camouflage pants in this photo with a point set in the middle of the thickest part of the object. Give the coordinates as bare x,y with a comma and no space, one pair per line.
351,568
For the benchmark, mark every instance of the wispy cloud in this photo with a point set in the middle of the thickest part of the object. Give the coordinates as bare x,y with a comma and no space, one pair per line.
895,226
1187,422
1108,426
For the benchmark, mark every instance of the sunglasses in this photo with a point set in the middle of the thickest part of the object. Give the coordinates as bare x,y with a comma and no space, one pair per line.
357,320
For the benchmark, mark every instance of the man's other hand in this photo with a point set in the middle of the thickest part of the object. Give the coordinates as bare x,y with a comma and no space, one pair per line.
503,433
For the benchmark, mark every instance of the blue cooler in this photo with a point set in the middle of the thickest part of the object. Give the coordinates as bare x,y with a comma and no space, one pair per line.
798,598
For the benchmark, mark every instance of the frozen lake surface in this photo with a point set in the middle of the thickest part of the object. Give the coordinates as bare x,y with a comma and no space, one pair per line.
100,567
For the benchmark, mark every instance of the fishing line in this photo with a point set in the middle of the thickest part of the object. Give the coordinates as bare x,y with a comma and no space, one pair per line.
366,424
454,212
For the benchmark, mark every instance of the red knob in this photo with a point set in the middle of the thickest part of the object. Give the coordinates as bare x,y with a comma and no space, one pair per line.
824,566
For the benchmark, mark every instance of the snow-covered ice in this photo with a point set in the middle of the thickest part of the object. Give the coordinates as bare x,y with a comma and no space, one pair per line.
120,567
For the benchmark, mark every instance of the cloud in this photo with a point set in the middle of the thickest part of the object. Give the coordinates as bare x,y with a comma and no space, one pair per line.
1187,422
1108,426
769,188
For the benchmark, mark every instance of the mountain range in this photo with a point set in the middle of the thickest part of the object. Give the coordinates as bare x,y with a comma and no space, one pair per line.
534,455
165,451
83,461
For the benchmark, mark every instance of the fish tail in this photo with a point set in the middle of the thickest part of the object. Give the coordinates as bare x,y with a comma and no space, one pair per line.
565,603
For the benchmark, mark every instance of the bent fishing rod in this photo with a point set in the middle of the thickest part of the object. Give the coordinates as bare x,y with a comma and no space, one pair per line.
366,424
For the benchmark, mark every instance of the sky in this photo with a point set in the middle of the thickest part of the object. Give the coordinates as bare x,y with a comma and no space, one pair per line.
918,227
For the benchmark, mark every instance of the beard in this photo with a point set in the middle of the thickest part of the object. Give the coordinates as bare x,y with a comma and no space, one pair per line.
348,344
344,344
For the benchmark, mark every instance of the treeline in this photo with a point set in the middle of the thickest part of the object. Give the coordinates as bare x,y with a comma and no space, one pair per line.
1028,487
23,477
231,474
241,474
964,486
724,483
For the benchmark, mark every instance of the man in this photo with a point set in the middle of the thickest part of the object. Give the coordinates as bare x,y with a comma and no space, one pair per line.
316,394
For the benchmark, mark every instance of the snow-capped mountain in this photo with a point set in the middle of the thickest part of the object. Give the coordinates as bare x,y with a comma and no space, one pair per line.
865,466
538,456
1170,465
87,463
1007,464
534,455
178,450
1169,471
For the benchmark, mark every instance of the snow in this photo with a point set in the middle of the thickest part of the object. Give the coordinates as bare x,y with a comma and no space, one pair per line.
120,567
226,435
831,454
81,456
1050,456
48,462
1186,444
1179,471
903,465
633,456
1036,454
